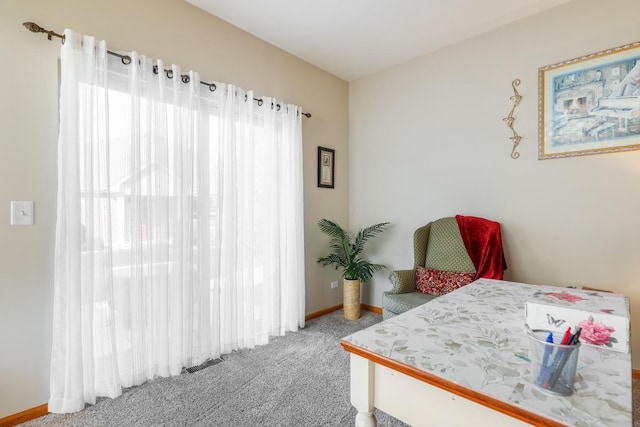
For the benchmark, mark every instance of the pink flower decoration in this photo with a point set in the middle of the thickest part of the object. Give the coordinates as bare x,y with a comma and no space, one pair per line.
595,332
564,297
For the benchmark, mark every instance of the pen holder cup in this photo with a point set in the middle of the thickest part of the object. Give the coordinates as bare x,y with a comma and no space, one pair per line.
553,366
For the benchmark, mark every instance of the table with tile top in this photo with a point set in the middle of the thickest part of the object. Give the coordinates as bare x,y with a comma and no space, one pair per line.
461,359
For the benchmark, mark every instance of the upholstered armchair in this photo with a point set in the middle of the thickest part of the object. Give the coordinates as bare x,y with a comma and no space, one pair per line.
439,245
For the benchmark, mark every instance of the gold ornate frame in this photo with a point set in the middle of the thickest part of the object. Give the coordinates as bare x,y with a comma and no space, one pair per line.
591,104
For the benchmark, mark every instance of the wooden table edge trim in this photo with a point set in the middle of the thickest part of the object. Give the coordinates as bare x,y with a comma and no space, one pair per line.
487,401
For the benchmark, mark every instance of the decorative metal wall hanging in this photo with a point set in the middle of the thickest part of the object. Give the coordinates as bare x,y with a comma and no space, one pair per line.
516,98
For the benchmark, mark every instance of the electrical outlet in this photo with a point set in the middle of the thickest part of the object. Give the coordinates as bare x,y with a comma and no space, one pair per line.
334,284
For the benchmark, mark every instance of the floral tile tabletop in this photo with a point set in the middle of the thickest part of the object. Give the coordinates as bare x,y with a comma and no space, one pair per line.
476,337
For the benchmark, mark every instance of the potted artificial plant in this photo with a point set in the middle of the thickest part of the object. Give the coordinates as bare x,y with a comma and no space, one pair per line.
347,254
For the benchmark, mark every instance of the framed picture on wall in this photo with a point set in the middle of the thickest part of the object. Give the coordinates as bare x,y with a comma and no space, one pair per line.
326,167
591,104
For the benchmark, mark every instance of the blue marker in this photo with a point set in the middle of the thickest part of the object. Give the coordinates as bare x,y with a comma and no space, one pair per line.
544,370
550,338
547,350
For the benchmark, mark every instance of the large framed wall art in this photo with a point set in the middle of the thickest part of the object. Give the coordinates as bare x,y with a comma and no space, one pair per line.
591,104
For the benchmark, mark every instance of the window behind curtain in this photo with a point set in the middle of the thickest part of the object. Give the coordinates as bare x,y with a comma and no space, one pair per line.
179,234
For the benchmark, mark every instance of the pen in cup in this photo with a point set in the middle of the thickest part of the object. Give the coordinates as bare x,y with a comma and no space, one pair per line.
562,356
548,349
544,371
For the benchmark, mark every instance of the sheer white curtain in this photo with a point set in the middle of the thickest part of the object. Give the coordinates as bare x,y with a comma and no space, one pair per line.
179,230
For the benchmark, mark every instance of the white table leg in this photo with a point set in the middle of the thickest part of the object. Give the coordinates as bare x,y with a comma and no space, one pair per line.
362,383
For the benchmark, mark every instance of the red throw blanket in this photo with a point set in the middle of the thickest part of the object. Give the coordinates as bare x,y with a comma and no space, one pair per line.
483,242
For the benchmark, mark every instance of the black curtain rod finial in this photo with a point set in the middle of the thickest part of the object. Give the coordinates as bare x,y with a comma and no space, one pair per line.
35,28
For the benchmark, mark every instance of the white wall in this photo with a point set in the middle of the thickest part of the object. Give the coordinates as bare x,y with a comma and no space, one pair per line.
178,33
427,140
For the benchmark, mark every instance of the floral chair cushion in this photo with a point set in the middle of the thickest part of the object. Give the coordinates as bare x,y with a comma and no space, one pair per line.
440,282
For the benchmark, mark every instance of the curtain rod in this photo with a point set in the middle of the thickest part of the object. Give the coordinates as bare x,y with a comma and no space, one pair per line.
126,59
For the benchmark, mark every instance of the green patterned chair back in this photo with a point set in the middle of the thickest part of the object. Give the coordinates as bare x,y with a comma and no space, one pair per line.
439,245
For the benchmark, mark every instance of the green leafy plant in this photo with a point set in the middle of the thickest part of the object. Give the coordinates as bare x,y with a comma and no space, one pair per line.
347,252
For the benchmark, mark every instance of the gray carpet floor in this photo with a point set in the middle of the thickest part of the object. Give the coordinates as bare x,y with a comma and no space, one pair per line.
301,379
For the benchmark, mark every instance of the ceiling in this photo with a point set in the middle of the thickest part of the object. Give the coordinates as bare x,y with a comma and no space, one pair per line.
354,38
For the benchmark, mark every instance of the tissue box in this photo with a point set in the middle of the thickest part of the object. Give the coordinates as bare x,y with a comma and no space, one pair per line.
603,316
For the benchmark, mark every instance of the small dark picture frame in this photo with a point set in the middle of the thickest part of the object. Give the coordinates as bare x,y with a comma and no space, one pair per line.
326,167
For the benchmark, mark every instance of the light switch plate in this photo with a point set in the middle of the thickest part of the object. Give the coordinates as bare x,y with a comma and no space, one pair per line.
21,213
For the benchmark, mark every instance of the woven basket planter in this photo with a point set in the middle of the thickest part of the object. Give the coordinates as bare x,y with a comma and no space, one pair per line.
351,299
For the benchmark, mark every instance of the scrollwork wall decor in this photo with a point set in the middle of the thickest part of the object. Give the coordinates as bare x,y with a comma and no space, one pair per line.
516,98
